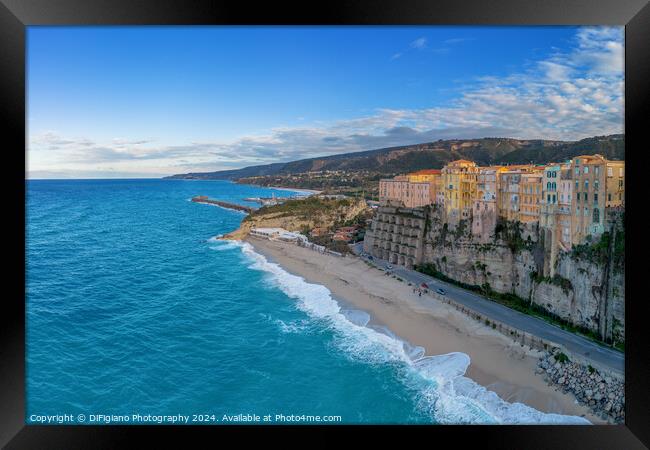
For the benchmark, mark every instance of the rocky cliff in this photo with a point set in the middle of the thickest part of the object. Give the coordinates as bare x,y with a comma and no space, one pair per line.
587,289
300,215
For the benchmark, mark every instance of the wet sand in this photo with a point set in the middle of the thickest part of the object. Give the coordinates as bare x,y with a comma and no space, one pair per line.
497,362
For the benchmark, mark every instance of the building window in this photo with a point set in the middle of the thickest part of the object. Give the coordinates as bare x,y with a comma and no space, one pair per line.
595,198
586,169
596,184
577,185
596,215
620,171
596,170
609,172
585,194
609,197
586,212
586,185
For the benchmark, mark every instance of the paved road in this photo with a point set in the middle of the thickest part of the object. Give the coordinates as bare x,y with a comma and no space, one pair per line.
599,354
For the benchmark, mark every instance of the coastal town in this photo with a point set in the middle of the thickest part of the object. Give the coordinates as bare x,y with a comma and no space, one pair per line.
359,225
545,240
569,201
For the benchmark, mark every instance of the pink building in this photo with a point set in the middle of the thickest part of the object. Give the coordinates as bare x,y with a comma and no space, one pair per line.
410,194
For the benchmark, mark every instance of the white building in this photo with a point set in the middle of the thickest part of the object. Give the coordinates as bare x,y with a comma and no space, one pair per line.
279,234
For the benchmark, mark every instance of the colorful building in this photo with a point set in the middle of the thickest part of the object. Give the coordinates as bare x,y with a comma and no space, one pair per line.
508,193
484,211
567,200
563,220
615,184
459,184
410,194
596,181
530,195
432,176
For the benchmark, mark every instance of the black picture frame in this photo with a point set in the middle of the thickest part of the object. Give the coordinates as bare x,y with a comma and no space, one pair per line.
15,15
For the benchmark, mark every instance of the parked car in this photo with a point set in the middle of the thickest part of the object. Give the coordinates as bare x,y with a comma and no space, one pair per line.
389,267
440,291
370,257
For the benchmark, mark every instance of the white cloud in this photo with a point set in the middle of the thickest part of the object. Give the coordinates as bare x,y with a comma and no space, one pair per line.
555,71
419,43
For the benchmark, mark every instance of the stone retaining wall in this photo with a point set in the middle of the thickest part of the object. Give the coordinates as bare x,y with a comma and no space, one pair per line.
603,393
602,390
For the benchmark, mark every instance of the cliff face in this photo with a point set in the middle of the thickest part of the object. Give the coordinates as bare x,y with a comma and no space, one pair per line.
297,215
588,293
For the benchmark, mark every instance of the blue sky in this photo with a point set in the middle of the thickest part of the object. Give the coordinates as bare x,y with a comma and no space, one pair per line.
152,101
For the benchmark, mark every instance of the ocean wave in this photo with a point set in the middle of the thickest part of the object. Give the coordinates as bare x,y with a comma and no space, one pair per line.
222,244
356,316
297,326
443,390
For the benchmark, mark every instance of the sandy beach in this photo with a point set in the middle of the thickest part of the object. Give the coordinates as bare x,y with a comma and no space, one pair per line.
306,191
497,362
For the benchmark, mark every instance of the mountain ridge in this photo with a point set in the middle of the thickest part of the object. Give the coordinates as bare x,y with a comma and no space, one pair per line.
433,155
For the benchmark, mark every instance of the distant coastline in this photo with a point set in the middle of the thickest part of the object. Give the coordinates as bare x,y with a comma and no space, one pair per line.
309,191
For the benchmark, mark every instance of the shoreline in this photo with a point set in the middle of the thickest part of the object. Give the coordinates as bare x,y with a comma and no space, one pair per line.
497,362
308,191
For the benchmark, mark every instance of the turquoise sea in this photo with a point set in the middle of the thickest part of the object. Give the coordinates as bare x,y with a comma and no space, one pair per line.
137,314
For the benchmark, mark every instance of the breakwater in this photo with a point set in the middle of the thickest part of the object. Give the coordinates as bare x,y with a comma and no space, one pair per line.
205,199
602,392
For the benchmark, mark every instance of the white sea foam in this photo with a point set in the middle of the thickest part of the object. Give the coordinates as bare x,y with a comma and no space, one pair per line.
443,390
297,326
222,244
356,316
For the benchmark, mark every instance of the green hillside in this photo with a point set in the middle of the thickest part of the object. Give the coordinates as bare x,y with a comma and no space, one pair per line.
434,155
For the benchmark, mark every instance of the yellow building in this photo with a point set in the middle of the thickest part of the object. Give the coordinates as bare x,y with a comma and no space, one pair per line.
519,193
615,184
508,193
425,175
530,195
459,184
